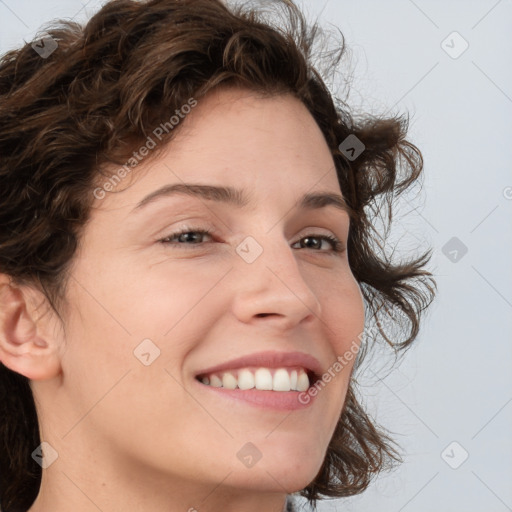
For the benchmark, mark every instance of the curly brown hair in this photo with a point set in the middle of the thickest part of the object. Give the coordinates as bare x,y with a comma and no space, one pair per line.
98,96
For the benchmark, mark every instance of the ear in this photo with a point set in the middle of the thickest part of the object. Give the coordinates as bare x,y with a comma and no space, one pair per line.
27,343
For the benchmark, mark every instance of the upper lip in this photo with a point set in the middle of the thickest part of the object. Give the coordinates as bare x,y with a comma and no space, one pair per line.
269,359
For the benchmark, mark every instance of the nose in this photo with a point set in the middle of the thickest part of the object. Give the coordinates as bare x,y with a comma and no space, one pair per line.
272,288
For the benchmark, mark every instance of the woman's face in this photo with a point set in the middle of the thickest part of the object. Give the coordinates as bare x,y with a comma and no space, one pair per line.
148,317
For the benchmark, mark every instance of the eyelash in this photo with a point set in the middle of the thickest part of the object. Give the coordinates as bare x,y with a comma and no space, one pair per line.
338,246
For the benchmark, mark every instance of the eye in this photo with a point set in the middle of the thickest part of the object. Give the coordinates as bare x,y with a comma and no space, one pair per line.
182,239
192,236
336,244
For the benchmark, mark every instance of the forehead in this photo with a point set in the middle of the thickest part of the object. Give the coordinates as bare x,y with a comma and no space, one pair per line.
239,138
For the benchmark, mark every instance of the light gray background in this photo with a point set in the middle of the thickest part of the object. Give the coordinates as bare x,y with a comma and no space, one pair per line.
456,384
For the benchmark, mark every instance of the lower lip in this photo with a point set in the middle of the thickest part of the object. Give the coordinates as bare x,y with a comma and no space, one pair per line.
278,400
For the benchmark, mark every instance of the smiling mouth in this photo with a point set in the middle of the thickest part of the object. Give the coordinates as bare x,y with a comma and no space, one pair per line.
261,378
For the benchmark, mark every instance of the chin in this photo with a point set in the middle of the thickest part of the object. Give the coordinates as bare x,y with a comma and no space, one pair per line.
289,467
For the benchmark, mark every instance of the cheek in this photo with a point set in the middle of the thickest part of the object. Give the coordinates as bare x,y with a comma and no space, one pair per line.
343,313
153,299
343,318
169,292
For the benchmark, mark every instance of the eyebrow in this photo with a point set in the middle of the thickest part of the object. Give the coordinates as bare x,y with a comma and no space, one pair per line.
239,198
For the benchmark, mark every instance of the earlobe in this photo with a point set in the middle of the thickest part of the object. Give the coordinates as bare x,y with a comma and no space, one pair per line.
23,348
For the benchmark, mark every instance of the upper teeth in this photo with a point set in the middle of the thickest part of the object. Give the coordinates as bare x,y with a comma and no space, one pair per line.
280,379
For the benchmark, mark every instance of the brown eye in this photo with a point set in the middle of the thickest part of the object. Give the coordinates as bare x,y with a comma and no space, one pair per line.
183,237
336,244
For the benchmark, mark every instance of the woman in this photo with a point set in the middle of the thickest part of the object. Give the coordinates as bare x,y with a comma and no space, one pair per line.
186,261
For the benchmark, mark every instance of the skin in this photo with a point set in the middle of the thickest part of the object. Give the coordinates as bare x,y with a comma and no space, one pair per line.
136,437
